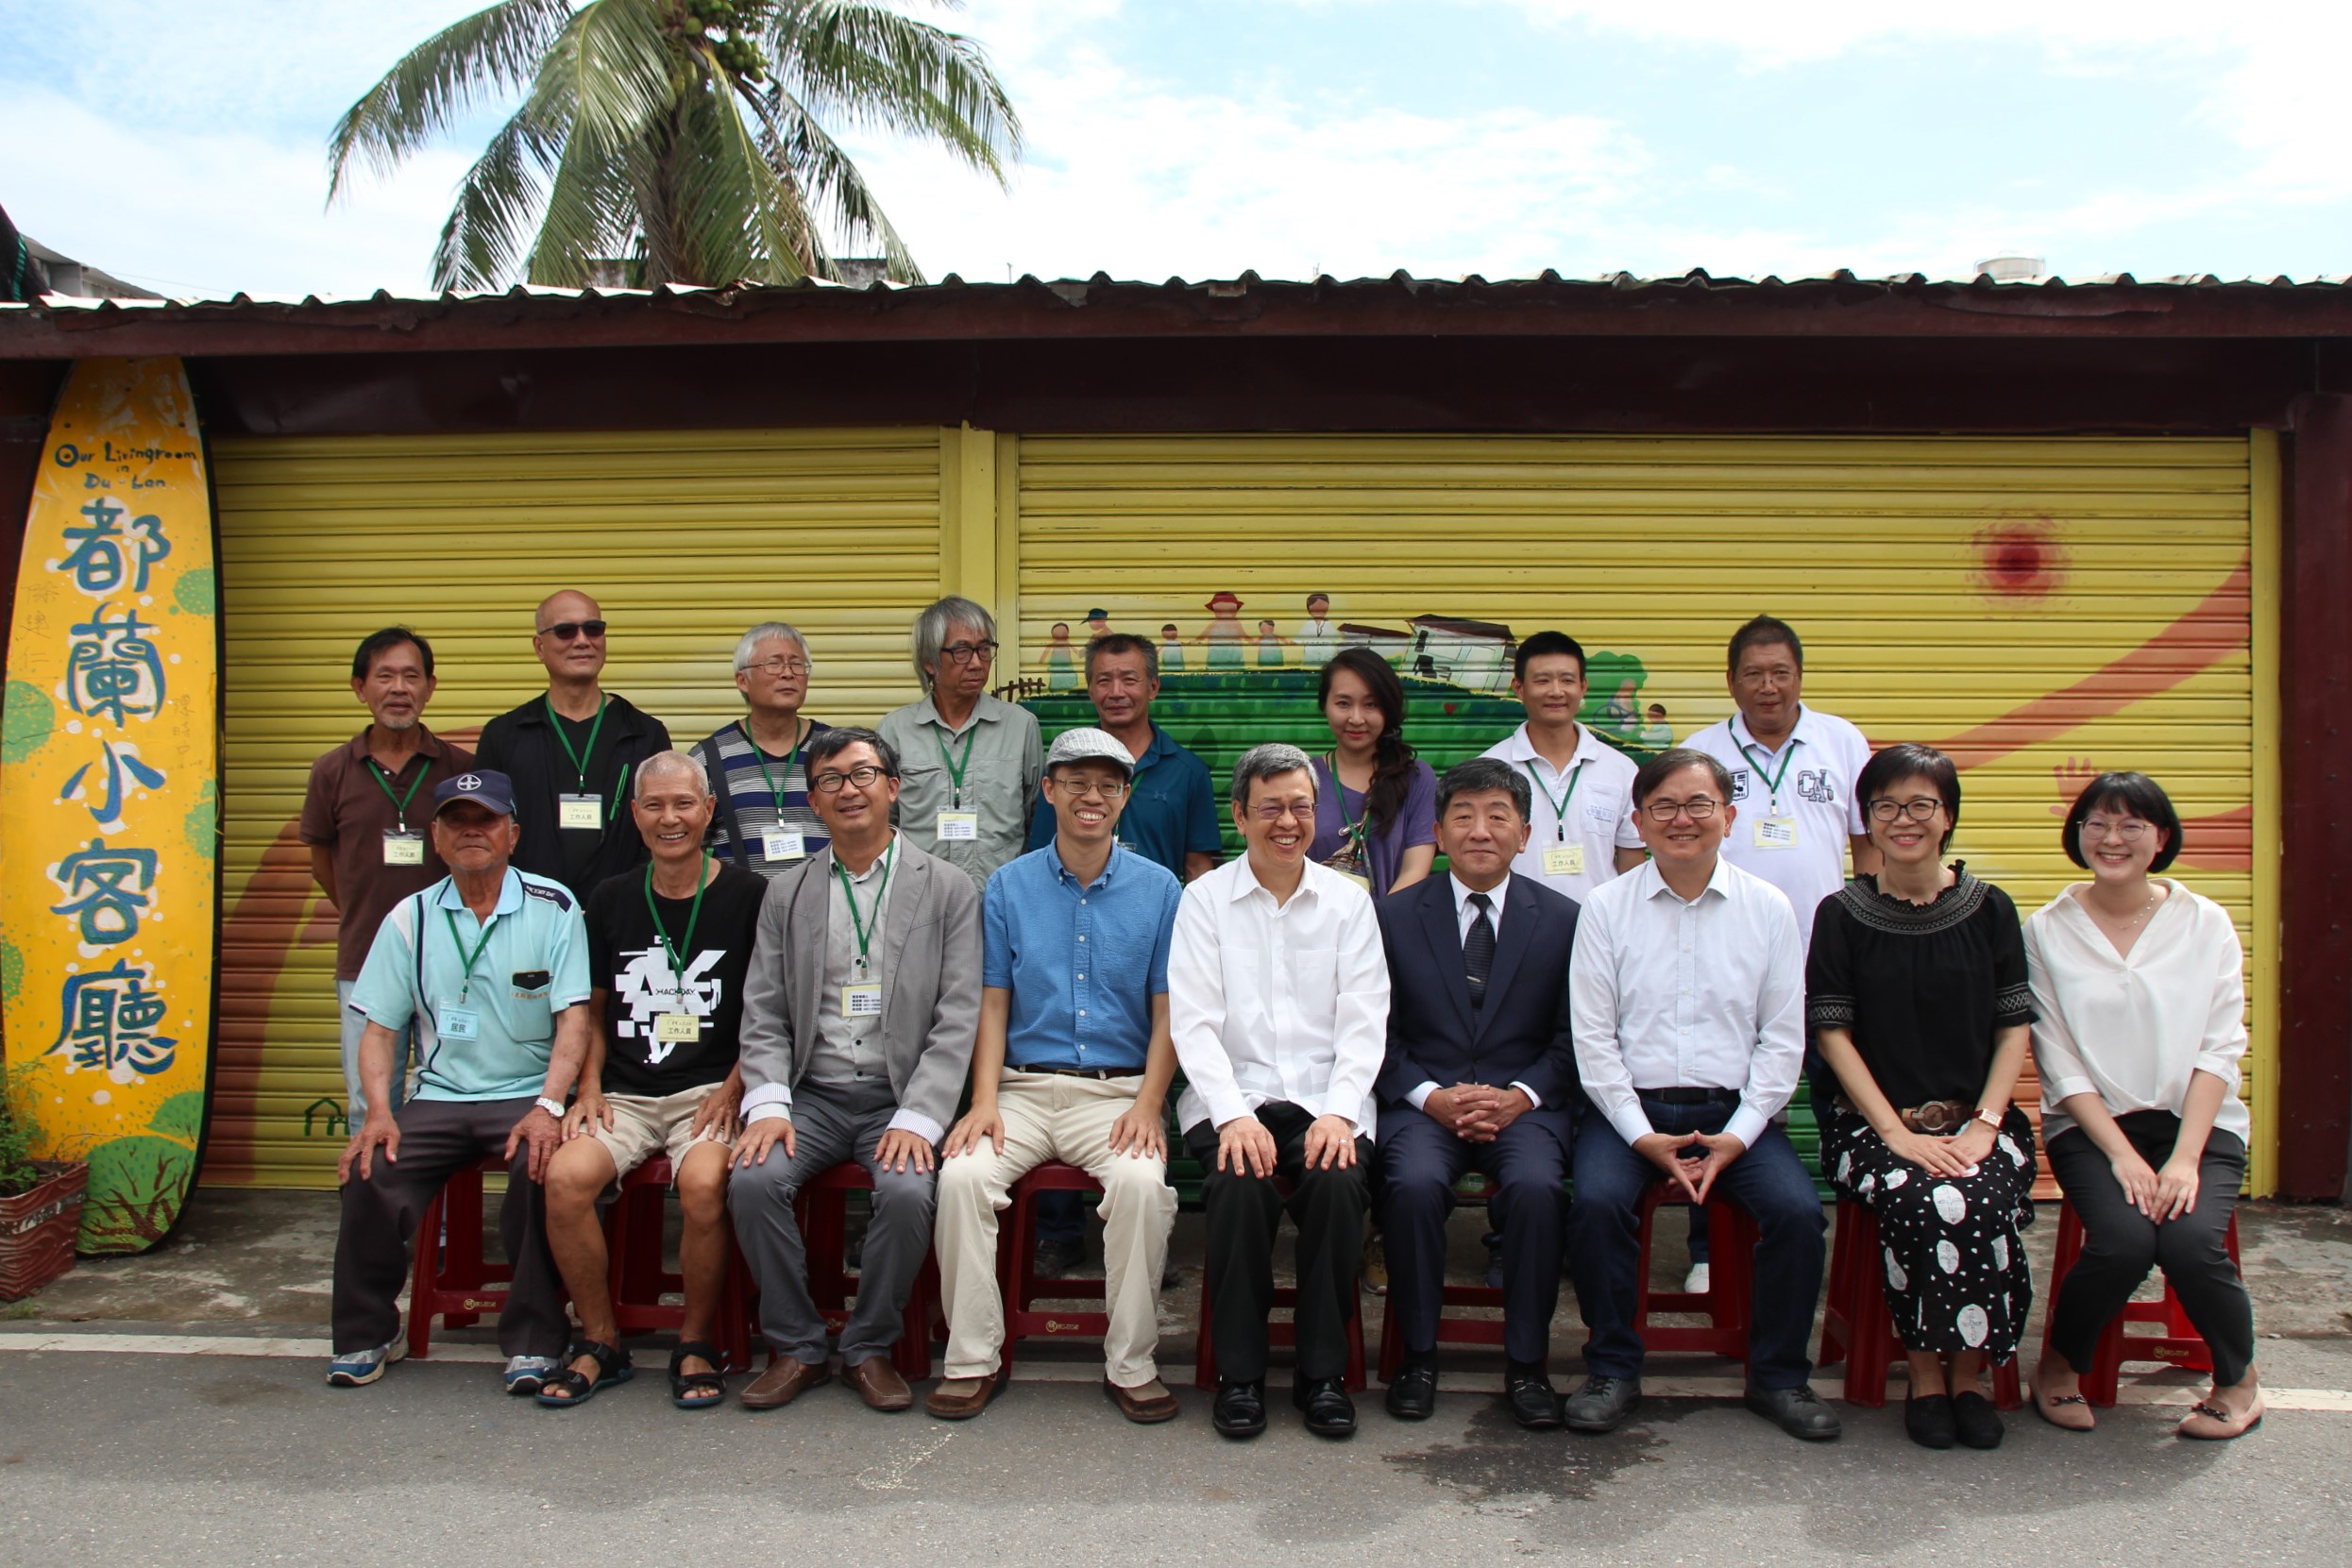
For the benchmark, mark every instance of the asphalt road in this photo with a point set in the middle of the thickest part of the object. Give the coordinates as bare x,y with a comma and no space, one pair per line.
193,1461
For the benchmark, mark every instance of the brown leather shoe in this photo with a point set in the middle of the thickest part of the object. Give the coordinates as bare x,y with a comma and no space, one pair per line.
1145,1403
878,1384
961,1398
785,1380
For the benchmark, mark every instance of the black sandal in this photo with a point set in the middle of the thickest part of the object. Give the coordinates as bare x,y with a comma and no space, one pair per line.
568,1386
712,1385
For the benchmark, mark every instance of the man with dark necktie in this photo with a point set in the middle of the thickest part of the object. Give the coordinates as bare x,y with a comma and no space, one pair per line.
1481,1076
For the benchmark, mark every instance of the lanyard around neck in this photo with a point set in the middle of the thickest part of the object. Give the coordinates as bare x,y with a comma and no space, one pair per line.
465,984
1559,807
579,760
849,889
400,802
956,767
701,885
1351,829
760,756
1771,781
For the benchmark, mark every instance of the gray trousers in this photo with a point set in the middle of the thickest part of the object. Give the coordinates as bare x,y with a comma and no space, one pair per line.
438,1139
832,1123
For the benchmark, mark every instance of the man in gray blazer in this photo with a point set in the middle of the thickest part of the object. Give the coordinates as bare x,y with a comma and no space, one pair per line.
858,1020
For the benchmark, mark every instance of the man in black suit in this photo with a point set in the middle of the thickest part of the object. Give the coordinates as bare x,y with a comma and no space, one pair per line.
1481,1076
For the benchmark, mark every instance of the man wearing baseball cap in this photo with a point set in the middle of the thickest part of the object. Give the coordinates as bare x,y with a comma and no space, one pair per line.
1073,1063
491,965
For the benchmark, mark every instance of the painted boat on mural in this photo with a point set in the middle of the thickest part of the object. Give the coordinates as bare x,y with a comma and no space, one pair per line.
110,798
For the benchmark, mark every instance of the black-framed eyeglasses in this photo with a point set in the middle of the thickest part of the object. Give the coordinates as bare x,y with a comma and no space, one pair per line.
964,654
1920,810
781,667
862,776
564,631
1700,806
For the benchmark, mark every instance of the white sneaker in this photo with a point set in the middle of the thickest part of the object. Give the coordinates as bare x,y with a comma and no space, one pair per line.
359,1368
1695,1282
526,1374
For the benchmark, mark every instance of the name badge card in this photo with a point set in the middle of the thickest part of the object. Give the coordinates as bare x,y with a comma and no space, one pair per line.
1564,860
782,844
403,848
458,1024
960,827
580,811
1776,832
677,1028
863,1000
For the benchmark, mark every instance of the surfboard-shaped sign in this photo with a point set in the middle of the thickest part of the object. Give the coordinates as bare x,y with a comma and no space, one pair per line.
110,798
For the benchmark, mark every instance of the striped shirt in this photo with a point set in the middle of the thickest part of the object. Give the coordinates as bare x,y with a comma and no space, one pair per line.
734,765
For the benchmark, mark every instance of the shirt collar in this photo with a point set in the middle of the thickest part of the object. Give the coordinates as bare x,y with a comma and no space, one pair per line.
888,857
1743,737
428,744
1521,750
1461,893
1061,872
1246,880
1720,884
1160,747
987,711
510,894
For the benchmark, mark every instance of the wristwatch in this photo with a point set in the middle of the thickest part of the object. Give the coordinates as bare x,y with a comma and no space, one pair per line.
1986,1115
553,1107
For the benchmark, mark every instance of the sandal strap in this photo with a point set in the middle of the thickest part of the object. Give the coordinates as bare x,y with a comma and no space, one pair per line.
574,1386
702,1348
608,1359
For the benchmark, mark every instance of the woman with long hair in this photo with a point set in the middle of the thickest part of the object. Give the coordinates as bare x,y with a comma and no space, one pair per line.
1376,801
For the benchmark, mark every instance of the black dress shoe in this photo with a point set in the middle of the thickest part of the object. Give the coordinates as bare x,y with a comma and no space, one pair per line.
1535,1404
1412,1392
1330,1412
1241,1408
1928,1418
1797,1411
1975,1421
1602,1403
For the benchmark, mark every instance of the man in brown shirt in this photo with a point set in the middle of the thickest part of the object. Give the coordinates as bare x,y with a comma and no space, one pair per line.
365,817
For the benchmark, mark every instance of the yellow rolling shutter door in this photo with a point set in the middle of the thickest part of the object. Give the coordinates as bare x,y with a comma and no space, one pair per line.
686,539
2040,607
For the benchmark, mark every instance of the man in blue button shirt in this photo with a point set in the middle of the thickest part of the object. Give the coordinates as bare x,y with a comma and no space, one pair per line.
490,965
1073,1064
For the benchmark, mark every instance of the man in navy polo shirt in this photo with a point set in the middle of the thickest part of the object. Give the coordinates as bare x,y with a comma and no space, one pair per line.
1073,1063
491,965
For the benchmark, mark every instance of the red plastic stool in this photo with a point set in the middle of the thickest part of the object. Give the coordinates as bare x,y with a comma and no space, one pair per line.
1016,1267
1451,1329
637,1277
1281,1334
823,1211
1858,1329
2176,1342
1727,1303
450,1275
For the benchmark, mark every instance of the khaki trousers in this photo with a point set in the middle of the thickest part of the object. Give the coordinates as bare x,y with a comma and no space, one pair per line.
1050,1117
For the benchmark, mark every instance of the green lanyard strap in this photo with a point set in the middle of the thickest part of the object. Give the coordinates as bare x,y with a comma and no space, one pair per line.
400,802
850,890
579,760
466,985
799,739
1351,830
701,885
1772,782
1559,807
956,769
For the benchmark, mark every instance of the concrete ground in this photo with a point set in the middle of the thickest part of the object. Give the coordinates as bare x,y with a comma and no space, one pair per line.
227,1456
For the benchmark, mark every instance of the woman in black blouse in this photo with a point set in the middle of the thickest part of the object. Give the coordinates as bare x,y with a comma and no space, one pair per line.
1916,996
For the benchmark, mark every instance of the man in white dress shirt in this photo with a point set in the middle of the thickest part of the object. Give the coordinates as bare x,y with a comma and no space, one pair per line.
1792,770
1278,998
1686,997
1581,832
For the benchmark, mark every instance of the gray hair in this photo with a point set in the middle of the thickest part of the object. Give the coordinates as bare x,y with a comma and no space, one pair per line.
674,762
932,626
750,642
1269,761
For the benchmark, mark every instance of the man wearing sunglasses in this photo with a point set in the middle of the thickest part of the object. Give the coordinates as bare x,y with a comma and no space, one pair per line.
973,761
572,752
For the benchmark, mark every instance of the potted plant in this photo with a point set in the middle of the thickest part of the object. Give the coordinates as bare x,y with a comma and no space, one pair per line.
40,1199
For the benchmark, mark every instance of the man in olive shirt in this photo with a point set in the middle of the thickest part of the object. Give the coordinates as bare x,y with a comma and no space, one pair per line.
571,752
972,762
365,817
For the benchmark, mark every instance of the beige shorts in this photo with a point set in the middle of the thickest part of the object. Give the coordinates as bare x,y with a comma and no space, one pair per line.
644,1125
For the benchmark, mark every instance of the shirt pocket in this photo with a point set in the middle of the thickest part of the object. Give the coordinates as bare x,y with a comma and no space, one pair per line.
528,1010
1604,809
1314,981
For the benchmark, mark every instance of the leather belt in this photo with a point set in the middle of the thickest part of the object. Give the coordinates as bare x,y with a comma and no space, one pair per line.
1690,1096
1098,1074
1938,1117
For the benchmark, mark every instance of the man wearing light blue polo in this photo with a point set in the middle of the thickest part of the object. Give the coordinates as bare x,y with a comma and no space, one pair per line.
491,966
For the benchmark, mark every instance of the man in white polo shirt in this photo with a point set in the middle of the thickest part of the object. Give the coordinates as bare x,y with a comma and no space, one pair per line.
1581,832
1793,770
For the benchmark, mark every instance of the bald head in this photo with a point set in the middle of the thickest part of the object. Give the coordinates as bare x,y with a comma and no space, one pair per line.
568,635
562,605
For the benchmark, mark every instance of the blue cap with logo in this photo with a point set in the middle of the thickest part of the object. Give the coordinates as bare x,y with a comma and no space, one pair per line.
484,786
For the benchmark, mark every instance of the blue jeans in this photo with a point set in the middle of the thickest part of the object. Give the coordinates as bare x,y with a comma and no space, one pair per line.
1604,1241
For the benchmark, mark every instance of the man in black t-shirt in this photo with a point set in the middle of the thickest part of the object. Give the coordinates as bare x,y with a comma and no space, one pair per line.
668,945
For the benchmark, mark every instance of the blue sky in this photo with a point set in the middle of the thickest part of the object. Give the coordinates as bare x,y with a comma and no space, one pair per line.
181,145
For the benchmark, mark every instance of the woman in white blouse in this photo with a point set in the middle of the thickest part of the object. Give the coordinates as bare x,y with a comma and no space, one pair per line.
2138,985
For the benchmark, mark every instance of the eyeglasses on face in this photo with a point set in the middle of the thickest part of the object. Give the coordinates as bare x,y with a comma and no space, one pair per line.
863,775
966,653
1274,811
2127,828
1104,789
1701,807
781,667
1920,810
564,631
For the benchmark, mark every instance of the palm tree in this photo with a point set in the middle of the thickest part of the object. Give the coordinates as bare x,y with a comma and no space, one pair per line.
688,136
